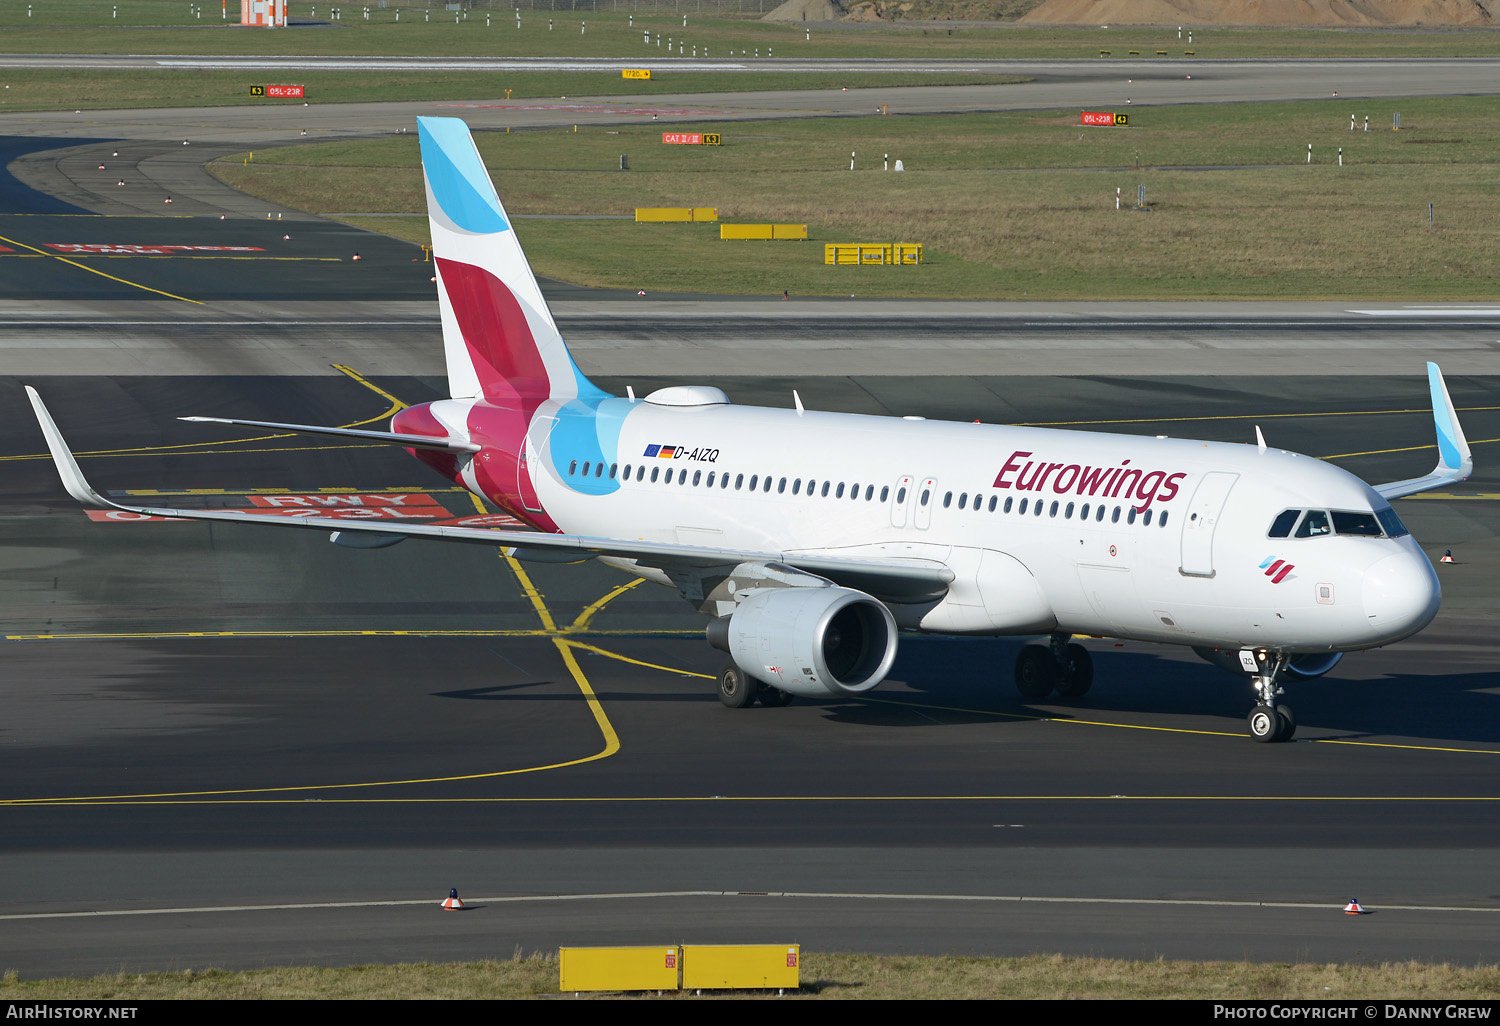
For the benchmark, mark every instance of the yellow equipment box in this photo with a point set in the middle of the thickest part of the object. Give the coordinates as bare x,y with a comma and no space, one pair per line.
676,213
740,966
872,253
652,968
763,231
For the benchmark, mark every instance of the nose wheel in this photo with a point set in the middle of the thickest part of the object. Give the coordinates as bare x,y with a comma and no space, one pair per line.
1271,724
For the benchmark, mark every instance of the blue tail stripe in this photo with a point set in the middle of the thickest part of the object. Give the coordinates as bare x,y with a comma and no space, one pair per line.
459,181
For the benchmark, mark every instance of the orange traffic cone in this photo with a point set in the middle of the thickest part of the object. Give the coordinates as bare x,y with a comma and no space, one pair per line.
1447,557
452,902
1353,909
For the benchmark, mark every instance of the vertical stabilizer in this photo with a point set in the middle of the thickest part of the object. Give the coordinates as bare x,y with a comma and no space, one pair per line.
499,337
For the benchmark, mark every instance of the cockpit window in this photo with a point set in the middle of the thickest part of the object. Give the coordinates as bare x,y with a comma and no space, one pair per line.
1282,525
1392,523
1356,523
1314,525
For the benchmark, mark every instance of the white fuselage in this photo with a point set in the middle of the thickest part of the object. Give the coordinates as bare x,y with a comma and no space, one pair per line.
1160,539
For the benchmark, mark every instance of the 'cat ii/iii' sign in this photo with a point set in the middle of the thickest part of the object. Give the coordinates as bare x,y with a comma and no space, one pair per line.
1094,117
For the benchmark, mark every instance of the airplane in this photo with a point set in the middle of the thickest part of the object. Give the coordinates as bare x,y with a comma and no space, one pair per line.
810,539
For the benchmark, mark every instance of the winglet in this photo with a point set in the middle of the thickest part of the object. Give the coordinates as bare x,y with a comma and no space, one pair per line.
1455,463
67,466
1453,447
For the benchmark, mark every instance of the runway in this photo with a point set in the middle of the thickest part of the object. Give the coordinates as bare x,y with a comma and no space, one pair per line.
233,747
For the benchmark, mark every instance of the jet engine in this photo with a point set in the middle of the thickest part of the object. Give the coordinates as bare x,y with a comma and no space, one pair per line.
812,642
1305,665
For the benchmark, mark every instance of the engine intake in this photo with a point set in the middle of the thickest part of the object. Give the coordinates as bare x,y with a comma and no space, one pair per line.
812,642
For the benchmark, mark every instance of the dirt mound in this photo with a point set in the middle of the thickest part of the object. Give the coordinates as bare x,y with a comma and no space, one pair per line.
1318,13
807,10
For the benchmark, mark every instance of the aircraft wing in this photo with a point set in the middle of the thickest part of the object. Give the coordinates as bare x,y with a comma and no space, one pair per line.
1454,460
897,579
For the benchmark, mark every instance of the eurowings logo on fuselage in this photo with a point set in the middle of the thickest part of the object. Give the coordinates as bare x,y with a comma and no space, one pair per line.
1276,569
1123,481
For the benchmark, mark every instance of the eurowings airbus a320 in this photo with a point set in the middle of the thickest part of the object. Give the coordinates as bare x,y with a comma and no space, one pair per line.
810,539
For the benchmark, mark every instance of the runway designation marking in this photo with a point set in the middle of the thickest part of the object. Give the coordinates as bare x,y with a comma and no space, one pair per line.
93,270
518,899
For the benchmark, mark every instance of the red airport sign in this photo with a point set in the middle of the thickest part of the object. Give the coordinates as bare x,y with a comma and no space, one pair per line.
279,92
1097,117
682,138
132,249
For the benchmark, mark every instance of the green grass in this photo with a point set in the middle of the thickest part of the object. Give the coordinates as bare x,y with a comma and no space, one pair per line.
49,89
1006,205
870,977
163,27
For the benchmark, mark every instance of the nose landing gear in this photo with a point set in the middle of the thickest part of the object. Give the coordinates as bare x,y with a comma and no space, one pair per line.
1269,722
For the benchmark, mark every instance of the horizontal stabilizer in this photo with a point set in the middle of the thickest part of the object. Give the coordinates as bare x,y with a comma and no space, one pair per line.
388,437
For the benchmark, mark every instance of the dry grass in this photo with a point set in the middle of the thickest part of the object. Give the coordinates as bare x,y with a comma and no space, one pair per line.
823,976
1005,205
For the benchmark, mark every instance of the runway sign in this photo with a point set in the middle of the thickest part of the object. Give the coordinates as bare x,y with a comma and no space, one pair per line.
332,501
349,506
132,249
279,92
1095,117
682,138
636,73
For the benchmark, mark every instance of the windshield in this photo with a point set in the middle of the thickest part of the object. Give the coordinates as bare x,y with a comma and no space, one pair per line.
1317,523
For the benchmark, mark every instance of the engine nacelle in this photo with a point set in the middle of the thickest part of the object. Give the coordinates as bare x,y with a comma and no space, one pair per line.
1306,665
813,642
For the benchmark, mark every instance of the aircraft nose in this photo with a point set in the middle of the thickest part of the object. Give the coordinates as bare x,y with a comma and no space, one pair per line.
1401,595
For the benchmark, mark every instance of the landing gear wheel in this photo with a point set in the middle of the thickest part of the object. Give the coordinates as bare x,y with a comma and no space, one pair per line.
1078,672
1288,723
1265,725
736,687
773,698
1036,672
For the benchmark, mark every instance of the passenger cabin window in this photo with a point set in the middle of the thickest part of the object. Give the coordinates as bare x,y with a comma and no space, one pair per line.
1281,527
1314,525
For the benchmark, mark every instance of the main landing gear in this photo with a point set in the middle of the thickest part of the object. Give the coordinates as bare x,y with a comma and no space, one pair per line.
737,690
1269,722
1057,666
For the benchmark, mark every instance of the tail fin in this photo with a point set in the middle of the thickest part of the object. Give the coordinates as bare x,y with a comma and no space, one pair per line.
498,335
